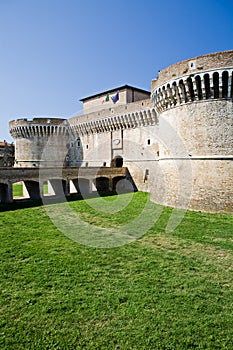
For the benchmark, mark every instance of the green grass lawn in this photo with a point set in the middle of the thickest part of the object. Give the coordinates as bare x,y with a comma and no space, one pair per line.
17,190
162,291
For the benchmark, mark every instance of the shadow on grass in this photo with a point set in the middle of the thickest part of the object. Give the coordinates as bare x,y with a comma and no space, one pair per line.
29,203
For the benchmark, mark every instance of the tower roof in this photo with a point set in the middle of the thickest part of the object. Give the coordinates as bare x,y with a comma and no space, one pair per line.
118,88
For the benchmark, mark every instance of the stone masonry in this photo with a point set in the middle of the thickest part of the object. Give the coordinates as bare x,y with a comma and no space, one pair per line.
176,140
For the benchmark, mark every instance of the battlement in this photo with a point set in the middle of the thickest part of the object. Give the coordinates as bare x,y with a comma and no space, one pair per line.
176,140
24,128
127,116
38,120
212,61
207,85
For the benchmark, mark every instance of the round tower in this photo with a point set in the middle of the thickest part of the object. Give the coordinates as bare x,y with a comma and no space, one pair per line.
34,136
194,99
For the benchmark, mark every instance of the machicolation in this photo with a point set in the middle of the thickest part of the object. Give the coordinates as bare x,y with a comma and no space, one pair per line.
176,140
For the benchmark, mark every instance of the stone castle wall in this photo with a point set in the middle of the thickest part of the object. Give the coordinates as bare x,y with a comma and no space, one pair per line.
126,95
109,112
178,145
194,102
33,136
203,128
194,66
196,184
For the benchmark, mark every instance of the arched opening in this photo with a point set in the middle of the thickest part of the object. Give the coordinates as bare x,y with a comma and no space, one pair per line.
159,95
176,93
19,190
116,182
3,193
122,185
117,162
170,95
165,97
45,189
216,84
225,84
207,86
80,186
102,184
33,189
198,86
183,91
57,187
190,87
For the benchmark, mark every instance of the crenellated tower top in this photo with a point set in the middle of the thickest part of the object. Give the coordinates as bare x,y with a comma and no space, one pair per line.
201,78
24,128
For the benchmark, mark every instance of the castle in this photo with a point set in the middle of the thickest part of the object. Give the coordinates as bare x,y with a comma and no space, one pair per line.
7,152
176,140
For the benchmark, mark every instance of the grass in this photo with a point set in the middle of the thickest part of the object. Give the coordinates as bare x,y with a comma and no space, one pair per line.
163,291
18,190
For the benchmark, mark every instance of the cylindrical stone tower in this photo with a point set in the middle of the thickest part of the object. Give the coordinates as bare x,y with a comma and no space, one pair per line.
40,141
194,100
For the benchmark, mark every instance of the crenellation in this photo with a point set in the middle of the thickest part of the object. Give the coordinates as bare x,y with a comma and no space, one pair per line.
208,85
201,63
180,133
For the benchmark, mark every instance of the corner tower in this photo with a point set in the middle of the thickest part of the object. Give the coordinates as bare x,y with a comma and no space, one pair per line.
32,137
194,98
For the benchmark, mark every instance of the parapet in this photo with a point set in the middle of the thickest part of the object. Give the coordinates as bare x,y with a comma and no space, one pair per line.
194,65
201,78
23,128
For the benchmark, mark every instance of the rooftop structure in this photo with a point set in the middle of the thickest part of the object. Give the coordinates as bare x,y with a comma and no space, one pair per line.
120,95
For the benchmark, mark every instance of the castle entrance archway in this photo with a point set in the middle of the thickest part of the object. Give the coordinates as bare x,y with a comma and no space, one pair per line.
117,162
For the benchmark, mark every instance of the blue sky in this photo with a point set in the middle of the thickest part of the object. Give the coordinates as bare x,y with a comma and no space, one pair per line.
54,52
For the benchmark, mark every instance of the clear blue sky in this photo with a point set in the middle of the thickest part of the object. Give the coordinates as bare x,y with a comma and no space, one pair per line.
54,52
